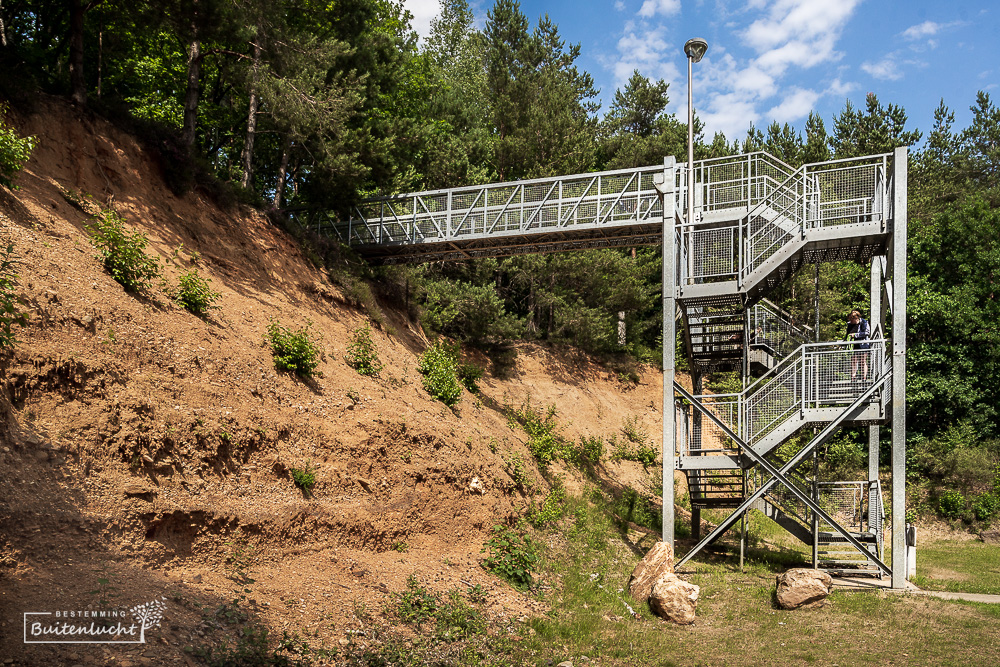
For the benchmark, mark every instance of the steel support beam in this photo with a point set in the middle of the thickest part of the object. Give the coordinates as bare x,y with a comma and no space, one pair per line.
899,161
669,435
875,320
781,475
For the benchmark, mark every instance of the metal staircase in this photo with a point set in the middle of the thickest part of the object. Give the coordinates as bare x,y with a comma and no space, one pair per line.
753,230
755,221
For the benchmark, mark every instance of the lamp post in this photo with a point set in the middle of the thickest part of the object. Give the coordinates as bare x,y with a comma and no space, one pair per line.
695,50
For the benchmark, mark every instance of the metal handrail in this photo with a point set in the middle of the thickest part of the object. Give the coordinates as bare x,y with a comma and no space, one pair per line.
815,375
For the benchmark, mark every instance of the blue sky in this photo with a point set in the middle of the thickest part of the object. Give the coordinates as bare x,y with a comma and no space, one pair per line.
778,59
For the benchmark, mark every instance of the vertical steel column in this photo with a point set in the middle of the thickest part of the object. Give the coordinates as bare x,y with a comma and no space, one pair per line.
875,319
696,443
899,160
669,435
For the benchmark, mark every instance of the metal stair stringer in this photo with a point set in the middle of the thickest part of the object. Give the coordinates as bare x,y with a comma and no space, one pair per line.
794,525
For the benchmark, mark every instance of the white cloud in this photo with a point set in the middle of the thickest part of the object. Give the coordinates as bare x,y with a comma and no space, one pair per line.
729,113
925,29
423,12
886,69
797,104
646,50
620,5
651,8
817,24
840,88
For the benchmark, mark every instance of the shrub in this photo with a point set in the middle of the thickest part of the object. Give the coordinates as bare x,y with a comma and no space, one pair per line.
512,555
437,365
194,294
985,506
951,505
846,456
15,151
123,253
417,605
544,442
468,375
592,448
10,312
305,478
551,509
293,351
362,355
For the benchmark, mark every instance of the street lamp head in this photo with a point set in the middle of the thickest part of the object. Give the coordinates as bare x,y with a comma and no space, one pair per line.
695,48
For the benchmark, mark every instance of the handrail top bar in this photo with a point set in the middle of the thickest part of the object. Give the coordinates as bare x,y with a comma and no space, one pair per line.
508,184
859,158
680,166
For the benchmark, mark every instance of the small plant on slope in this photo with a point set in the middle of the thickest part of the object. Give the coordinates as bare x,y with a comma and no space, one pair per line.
293,351
362,355
194,294
10,313
123,252
305,478
15,151
437,365
512,555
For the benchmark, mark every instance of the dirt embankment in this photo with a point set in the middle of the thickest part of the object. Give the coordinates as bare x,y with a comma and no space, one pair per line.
150,449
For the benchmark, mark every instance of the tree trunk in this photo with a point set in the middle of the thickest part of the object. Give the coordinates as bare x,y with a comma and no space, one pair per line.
279,190
77,84
3,30
191,96
247,178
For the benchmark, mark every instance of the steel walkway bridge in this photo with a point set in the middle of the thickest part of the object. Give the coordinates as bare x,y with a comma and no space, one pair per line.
755,221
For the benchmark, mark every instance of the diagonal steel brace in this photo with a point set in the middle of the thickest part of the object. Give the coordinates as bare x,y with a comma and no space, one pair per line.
781,475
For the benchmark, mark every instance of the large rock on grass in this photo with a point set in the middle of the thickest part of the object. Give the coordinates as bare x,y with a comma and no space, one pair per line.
674,599
803,587
659,560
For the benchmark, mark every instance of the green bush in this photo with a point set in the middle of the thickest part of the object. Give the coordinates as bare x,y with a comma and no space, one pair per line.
362,354
305,478
951,505
14,151
551,509
544,443
469,375
592,448
293,351
194,294
985,506
10,312
438,366
123,253
513,556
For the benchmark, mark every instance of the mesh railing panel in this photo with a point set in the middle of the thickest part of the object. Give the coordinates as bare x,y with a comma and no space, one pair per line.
608,198
846,192
705,436
772,331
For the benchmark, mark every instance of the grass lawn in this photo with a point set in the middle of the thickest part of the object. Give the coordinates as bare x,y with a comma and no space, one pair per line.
590,559
958,566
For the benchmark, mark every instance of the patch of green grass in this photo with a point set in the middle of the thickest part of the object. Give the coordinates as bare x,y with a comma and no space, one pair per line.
960,567
738,622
